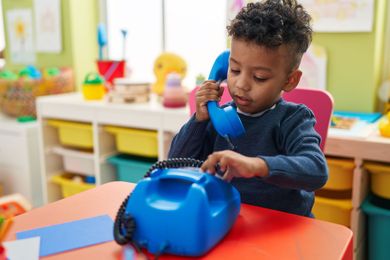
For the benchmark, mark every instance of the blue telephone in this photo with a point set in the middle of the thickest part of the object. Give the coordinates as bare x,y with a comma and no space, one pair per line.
176,209
226,121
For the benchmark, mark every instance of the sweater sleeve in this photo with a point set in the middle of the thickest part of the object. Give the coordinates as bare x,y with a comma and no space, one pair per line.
303,165
194,140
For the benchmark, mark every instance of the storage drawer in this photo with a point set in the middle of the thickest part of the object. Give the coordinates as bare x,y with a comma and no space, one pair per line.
131,168
333,210
340,174
378,226
380,178
76,161
73,134
135,141
70,187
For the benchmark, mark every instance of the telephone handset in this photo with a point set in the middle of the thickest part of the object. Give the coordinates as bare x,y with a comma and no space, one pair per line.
226,121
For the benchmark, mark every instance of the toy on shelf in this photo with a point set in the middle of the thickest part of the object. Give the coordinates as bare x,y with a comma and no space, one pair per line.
126,90
102,39
108,69
31,72
13,205
174,93
5,224
18,91
111,69
384,126
93,87
167,63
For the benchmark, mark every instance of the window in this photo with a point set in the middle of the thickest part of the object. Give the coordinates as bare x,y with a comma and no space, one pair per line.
195,30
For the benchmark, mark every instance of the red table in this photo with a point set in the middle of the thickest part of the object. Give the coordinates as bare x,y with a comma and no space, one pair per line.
258,233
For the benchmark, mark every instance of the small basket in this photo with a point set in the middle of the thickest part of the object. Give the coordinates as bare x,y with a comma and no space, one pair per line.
17,97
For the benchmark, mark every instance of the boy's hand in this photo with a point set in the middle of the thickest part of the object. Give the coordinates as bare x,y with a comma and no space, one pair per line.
235,165
208,91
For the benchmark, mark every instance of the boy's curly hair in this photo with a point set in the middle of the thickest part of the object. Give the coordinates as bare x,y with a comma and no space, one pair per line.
271,23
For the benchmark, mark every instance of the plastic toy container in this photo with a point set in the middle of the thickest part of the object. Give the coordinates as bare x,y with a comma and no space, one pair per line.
111,69
131,168
73,134
340,174
378,230
135,141
174,94
70,187
93,87
76,161
333,210
380,178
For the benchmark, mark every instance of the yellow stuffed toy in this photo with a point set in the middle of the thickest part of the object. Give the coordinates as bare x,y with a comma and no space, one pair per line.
167,63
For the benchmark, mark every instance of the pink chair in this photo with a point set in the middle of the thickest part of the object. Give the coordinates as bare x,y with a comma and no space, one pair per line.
319,101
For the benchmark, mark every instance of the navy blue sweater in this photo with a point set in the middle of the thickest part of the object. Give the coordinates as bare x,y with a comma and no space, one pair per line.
285,138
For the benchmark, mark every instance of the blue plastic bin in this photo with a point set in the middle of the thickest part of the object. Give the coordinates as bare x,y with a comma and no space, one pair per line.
131,168
378,230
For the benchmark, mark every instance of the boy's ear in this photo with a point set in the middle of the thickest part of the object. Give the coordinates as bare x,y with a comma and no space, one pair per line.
293,80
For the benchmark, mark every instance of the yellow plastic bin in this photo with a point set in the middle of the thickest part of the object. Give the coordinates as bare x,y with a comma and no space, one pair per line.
333,210
135,141
73,134
380,178
340,174
70,187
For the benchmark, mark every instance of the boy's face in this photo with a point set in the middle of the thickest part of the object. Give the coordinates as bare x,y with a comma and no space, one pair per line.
257,75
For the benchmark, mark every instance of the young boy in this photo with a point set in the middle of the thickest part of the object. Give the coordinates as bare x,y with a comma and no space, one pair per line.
278,162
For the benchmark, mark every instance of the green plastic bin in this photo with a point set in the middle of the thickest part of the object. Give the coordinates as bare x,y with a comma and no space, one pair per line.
378,230
131,168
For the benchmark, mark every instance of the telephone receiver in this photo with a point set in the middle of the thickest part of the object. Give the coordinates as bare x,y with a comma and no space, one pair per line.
225,120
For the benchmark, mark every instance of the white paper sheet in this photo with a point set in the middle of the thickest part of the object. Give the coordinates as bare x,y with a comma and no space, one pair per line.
341,15
313,66
47,15
23,249
20,35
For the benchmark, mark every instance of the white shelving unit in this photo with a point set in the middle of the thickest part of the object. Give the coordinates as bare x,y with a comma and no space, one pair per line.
19,159
72,107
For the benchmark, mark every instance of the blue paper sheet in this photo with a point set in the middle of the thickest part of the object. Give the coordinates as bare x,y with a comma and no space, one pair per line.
71,235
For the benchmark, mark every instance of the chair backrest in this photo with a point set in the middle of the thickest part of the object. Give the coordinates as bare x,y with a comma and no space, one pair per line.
319,101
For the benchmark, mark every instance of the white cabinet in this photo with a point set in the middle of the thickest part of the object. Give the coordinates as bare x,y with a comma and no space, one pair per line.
99,114
19,159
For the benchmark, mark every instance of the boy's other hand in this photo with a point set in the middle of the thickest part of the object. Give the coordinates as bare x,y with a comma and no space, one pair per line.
208,91
235,165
